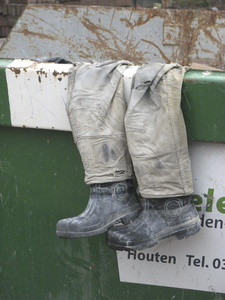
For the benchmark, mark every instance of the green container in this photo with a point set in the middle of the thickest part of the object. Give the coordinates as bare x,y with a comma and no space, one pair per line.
42,181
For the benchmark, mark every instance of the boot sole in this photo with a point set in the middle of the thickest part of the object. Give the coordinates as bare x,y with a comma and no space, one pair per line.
125,219
179,234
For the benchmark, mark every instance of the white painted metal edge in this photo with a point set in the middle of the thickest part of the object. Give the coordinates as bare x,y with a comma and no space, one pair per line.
38,93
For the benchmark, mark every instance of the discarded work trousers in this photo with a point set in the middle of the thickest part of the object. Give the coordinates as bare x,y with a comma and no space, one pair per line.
148,135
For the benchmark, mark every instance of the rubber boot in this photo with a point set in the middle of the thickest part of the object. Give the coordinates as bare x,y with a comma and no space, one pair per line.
109,203
159,219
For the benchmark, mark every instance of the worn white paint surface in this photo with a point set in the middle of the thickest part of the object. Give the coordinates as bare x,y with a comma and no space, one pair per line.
37,94
207,274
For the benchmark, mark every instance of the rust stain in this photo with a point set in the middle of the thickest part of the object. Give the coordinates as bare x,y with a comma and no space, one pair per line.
67,9
55,73
33,65
142,19
168,36
106,41
41,72
212,38
115,48
43,22
29,33
167,60
127,22
15,70
112,18
190,35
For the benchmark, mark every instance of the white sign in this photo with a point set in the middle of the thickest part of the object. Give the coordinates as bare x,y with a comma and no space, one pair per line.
198,262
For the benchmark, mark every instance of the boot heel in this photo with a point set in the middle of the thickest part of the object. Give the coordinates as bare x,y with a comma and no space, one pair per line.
187,232
129,218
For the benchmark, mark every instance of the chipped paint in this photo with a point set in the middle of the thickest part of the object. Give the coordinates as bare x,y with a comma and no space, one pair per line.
36,99
15,70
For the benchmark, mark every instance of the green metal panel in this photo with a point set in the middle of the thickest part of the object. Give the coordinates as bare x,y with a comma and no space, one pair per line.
203,105
4,99
42,182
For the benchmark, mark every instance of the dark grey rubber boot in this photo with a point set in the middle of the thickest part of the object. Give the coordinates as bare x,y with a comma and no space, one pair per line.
109,203
159,219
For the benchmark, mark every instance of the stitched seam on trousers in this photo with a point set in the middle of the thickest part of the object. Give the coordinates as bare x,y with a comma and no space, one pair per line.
168,88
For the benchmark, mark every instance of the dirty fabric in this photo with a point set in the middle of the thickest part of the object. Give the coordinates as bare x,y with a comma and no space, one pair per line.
156,132
151,127
96,110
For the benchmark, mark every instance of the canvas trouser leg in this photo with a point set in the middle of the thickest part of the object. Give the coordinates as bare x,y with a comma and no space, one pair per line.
157,143
96,110
156,132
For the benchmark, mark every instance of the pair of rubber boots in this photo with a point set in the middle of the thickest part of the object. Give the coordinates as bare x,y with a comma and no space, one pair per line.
144,223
